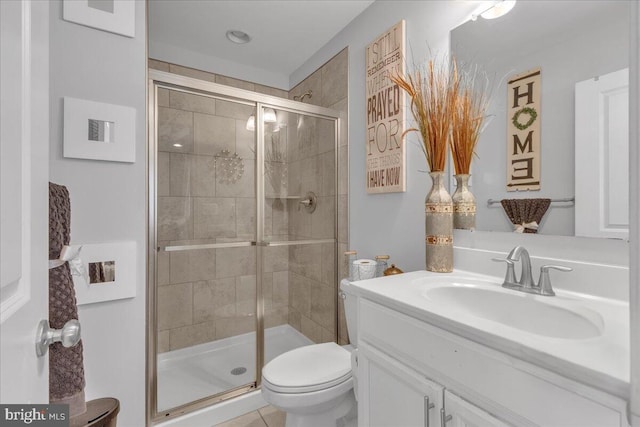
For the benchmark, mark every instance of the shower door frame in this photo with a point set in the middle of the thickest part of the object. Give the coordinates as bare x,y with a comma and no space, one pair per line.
161,79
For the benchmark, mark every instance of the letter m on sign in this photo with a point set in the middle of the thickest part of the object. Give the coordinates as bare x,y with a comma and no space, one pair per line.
523,131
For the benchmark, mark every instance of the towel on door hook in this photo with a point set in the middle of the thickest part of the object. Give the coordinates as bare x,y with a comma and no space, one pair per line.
66,364
525,214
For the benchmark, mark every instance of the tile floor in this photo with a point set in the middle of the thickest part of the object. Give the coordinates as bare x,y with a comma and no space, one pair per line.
267,416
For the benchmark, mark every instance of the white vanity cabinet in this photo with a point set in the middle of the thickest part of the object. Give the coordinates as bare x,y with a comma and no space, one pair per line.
395,395
403,361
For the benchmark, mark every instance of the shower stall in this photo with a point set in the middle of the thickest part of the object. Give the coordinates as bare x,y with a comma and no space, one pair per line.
242,237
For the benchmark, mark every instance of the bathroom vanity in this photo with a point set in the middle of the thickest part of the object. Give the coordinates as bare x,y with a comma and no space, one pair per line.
460,350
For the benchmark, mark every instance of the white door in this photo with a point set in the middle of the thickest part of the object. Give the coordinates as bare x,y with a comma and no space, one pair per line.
24,206
602,156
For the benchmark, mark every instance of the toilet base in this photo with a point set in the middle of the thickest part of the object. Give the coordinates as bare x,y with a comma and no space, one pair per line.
343,415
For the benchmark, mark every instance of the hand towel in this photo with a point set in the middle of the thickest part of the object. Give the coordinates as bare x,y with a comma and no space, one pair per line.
525,214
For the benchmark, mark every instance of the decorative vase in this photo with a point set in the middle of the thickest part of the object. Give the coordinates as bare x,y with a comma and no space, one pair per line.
439,226
464,204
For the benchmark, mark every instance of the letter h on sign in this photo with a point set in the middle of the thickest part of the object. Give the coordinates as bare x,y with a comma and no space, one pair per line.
517,95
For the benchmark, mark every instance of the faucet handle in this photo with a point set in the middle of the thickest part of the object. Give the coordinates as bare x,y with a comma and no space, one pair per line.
510,276
544,283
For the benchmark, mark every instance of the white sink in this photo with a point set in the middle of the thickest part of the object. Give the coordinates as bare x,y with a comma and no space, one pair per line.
546,316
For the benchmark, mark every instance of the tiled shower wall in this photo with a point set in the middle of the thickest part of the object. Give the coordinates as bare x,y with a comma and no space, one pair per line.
210,294
312,291
312,287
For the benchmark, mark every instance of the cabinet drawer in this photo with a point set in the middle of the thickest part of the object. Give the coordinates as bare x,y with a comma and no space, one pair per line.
516,391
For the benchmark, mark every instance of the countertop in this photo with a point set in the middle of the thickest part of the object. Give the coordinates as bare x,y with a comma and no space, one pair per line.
601,361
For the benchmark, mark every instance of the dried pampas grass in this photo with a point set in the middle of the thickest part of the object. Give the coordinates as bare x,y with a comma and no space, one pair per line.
469,115
449,107
433,92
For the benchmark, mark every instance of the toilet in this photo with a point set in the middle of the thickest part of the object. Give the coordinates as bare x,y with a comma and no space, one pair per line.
315,384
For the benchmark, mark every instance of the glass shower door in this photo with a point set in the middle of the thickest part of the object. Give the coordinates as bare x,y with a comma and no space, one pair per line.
206,238
298,217
242,238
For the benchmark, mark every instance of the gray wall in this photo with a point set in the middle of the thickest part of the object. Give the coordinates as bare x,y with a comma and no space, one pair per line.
389,223
107,198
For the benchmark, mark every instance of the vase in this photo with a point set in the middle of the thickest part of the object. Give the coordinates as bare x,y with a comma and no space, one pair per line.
439,226
464,204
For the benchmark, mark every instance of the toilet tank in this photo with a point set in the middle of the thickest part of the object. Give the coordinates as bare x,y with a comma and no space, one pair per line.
350,309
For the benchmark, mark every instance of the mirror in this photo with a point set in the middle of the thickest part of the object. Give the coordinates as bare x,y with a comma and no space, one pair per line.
571,42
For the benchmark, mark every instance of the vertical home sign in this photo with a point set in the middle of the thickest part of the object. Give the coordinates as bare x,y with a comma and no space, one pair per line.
385,104
523,131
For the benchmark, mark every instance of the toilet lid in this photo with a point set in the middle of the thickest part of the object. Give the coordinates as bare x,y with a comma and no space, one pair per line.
309,368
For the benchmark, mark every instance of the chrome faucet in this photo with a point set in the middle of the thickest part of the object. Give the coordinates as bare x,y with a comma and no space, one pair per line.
526,279
526,283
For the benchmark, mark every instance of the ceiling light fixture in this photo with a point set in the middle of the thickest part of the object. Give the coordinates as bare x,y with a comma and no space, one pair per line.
268,116
496,10
239,37
177,145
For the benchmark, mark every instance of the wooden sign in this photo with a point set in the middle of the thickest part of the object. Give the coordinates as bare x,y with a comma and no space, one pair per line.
523,131
385,104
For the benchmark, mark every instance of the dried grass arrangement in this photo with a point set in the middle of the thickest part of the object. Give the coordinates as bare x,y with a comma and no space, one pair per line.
468,117
433,90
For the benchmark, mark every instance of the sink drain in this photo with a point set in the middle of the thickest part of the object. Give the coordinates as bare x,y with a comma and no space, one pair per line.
239,370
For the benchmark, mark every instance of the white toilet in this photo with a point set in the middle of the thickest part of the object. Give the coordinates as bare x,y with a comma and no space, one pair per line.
314,384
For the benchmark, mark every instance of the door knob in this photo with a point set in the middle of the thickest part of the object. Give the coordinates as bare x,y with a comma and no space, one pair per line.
69,335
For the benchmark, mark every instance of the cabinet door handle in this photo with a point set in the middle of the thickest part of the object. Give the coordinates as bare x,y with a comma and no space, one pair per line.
427,407
444,418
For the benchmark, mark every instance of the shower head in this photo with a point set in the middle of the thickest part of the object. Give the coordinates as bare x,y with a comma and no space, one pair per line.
303,96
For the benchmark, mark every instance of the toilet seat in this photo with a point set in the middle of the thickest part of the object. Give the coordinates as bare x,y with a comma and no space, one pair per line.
308,369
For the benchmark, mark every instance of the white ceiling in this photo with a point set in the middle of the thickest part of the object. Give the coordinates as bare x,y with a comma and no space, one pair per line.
284,33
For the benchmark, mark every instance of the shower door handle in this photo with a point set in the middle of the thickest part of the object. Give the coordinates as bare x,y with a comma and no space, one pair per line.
296,242
208,246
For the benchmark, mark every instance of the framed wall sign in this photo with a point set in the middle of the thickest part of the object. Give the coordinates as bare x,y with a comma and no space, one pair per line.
385,105
115,16
98,131
523,131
